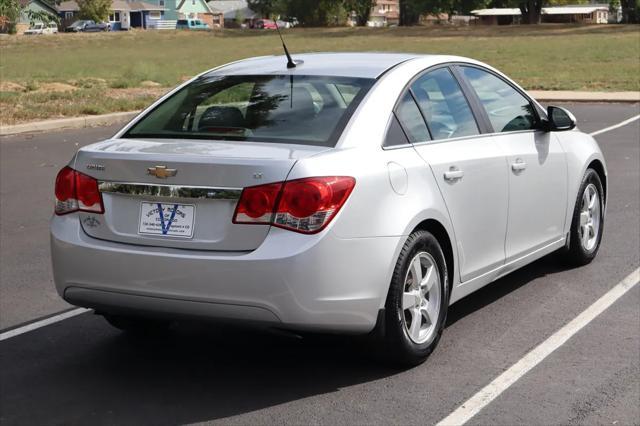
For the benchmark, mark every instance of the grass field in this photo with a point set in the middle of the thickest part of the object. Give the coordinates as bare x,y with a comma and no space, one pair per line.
77,74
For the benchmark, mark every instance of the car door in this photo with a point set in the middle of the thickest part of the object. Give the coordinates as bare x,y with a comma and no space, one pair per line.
469,168
535,164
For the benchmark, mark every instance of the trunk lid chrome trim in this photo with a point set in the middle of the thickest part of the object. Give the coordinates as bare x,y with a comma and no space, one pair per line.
169,191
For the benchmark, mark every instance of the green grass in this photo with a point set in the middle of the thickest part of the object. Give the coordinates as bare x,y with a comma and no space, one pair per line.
548,57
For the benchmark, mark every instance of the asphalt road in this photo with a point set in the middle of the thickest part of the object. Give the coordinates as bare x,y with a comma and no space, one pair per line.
81,371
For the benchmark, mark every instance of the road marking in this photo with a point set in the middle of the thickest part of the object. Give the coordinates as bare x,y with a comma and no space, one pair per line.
477,402
615,126
42,323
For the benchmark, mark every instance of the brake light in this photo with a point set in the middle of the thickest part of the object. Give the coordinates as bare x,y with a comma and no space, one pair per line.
302,205
77,192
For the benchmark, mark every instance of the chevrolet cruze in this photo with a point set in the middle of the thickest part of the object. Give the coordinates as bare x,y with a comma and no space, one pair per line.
351,193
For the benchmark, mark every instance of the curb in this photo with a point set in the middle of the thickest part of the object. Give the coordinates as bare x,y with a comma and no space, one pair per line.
570,96
68,123
118,117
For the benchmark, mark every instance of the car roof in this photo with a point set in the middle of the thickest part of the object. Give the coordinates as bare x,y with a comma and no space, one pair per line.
361,65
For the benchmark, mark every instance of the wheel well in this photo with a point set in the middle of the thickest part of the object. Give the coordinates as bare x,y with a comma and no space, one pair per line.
438,231
599,168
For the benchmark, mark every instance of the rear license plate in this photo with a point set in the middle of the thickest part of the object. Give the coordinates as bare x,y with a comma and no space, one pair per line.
173,220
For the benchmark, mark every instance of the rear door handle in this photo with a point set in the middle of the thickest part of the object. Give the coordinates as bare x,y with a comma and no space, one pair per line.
453,174
518,165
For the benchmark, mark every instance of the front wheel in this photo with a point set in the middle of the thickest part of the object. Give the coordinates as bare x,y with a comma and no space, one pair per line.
416,306
587,223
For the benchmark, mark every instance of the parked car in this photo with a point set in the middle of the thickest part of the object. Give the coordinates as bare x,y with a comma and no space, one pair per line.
97,27
357,193
292,20
191,24
39,28
265,24
78,26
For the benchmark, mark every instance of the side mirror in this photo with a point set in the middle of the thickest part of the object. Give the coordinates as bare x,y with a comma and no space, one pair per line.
560,119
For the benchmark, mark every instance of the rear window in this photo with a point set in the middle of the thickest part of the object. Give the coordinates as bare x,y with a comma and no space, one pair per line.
182,22
310,110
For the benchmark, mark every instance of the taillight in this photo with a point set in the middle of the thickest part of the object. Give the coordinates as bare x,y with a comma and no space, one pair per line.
302,205
77,192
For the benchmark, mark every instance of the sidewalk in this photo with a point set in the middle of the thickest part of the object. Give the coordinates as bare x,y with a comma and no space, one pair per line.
121,117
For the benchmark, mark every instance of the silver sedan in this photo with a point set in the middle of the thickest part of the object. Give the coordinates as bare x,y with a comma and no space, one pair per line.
353,193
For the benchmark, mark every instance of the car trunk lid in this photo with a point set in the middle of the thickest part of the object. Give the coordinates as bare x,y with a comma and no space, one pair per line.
181,193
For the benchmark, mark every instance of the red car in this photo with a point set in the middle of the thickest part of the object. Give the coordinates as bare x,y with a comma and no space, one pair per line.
266,24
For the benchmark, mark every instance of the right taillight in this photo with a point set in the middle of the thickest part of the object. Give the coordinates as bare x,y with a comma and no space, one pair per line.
77,192
302,205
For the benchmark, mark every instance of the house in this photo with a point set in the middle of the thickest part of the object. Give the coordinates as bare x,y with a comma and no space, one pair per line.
123,14
585,14
32,6
498,16
190,9
384,13
157,14
234,11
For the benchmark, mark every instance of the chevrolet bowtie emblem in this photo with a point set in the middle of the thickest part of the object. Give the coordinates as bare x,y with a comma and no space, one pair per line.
161,172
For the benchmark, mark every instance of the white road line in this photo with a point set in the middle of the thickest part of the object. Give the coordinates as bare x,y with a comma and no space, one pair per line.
477,402
615,126
37,324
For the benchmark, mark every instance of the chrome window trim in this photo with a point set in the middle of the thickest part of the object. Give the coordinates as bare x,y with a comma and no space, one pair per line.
461,138
169,191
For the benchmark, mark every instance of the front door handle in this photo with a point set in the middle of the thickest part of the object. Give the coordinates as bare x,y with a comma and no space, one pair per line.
453,174
518,165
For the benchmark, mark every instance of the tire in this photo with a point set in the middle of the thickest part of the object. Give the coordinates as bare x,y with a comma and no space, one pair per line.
137,325
405,343
581,250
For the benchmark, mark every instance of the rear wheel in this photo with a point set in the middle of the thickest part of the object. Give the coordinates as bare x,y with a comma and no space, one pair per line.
416,306
587,223
137,325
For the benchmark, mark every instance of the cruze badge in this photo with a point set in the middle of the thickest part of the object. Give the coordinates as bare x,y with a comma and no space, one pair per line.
161,172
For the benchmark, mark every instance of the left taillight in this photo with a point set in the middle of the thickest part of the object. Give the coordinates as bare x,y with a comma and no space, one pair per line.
77,192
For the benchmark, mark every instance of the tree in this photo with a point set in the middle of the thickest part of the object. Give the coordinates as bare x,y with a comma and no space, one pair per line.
362,9
630,11
12,10
262,7
96,10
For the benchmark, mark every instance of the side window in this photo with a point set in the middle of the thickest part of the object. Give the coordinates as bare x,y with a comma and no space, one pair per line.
444,106
411,119
507,109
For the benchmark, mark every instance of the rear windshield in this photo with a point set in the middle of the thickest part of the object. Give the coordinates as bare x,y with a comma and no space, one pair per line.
310,110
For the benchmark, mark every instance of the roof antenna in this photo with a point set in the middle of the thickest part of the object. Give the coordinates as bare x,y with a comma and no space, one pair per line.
290,63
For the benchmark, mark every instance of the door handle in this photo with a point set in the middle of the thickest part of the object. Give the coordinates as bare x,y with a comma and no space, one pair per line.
518,165
453,174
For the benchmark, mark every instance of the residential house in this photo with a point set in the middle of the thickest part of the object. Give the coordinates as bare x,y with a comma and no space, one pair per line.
157,14
584,14
37,6
384,13
234,11
190,9
123,14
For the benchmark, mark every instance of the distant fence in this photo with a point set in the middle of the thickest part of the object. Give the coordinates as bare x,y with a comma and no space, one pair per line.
162,24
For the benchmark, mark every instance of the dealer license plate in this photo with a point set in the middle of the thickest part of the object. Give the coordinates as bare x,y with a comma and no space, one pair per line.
173,220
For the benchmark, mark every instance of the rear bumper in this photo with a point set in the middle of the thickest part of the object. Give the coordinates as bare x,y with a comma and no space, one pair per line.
294,281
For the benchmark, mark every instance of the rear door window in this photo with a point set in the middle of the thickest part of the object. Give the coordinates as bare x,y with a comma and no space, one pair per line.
443,105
